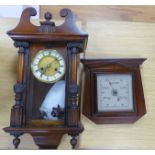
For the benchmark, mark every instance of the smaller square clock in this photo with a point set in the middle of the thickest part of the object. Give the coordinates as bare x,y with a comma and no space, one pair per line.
113,91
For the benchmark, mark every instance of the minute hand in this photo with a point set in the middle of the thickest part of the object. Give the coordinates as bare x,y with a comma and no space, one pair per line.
47,66
111,85
44,68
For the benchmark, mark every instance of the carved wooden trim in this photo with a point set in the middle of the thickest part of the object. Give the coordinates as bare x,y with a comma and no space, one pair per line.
16,140
73,141
21,44
17,109
134,62
26,27
19,88
47,26
73,89
73,112
48,31
75,47
47,141
45,138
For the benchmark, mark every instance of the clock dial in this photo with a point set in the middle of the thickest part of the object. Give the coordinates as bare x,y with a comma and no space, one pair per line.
114,92
48,66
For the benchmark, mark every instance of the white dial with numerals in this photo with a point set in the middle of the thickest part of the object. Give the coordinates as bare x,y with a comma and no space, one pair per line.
48,66
114,92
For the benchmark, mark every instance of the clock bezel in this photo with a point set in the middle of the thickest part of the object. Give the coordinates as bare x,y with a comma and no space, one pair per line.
48,82
109,113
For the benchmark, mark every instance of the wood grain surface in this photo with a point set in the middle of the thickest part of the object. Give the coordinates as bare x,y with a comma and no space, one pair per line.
85,13
107,39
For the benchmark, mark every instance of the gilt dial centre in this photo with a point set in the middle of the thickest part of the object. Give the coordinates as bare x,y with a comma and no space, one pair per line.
48,66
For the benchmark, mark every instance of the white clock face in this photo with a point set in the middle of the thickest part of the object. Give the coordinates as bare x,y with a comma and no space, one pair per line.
114,92
48,66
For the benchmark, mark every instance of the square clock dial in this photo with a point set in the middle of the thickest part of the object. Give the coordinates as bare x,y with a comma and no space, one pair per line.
114,92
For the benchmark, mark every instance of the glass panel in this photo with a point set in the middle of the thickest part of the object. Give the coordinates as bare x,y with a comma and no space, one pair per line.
47,88
52,106
114,92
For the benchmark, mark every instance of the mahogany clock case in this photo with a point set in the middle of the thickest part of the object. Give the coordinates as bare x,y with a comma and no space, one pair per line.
94,67
69,41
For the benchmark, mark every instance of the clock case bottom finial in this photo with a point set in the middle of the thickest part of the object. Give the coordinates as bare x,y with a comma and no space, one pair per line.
46,138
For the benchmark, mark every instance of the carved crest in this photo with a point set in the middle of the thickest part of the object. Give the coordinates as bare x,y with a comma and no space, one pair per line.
25,26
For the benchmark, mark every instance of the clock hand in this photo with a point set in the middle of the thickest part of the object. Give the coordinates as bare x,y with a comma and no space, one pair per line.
110,84
44,68
49,64
114,91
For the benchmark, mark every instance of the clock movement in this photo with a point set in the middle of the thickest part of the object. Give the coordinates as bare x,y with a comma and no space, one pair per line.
113,91
47,104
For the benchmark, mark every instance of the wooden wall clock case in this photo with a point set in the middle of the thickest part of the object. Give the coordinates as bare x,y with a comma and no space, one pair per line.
70,41
92,69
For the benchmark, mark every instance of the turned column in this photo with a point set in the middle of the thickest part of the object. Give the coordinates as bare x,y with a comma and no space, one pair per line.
19,89
73,109
71,84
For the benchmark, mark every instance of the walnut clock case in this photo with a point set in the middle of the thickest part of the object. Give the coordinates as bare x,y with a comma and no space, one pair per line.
113,91
47,91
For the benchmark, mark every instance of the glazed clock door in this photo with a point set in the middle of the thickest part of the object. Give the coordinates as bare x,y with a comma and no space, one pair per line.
47,85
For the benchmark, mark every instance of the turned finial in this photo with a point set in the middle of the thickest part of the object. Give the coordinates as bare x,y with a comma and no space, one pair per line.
48,16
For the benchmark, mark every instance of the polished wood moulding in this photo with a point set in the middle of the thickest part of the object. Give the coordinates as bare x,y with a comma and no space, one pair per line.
45,138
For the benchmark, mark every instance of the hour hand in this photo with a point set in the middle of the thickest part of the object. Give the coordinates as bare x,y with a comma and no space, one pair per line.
44,68
40,69
48,65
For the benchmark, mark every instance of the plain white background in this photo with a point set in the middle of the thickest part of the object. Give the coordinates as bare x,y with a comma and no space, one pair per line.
14,11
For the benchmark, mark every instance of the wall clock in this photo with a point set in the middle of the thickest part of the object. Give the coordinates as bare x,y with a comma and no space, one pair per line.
47,90
113,91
